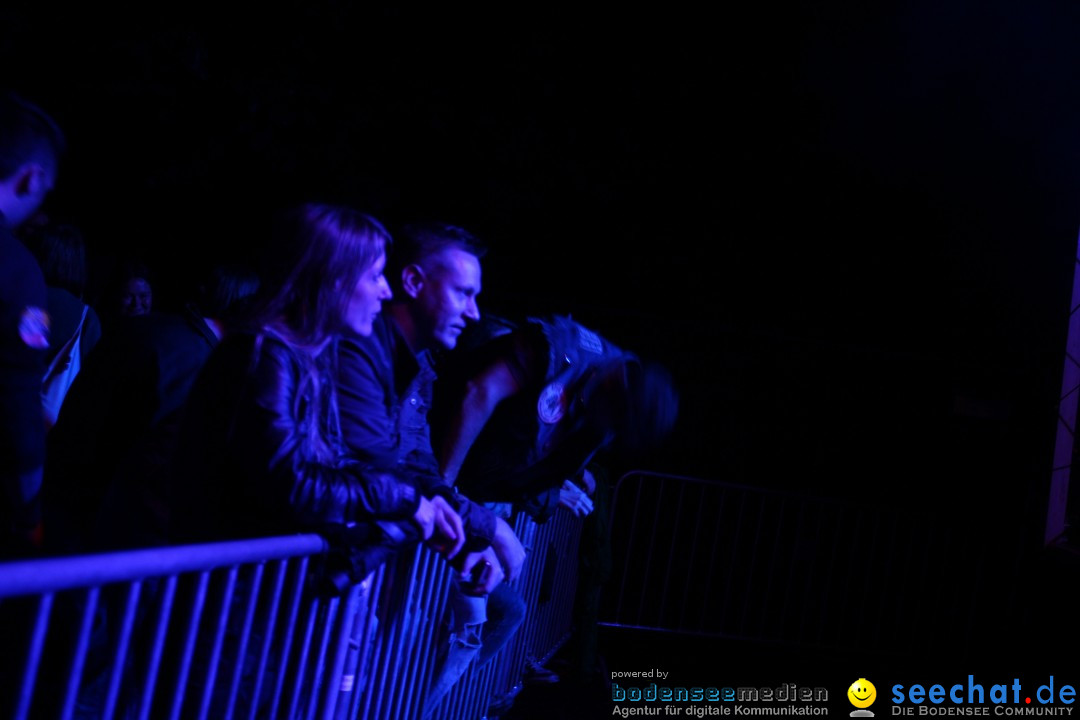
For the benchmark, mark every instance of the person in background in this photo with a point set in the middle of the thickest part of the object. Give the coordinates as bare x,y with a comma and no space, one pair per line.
131,293
108,455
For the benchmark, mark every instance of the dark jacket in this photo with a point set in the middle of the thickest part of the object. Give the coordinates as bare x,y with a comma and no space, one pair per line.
24,337
384,394
539,437
65,311
260,452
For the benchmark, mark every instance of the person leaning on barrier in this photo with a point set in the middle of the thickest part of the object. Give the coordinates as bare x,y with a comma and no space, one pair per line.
30,148
385,382
525,411
528,410
260,448
386,385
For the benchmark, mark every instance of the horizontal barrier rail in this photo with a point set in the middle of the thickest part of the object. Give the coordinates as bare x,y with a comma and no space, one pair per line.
30,577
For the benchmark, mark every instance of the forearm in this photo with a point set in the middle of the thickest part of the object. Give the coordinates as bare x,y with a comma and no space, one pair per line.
322,494
476,409
479,523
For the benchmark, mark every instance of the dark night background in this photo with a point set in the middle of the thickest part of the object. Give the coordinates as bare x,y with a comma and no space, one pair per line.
850,231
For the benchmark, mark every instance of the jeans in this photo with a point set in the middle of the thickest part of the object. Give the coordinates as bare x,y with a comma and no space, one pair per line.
499,615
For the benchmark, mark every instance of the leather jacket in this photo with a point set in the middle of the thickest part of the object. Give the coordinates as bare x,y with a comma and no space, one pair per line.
260,450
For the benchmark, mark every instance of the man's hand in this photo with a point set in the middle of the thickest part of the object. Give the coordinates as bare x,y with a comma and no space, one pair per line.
448,536
508,549
424,517
574,499
481,572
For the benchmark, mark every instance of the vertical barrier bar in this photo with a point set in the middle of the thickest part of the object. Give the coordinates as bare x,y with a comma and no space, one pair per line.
189,644
432,571
743,630
405,646
367,651
572,547
547,628
693,553
158,647
286,644
122,643
341,647
536,582
629,545
652,543
771,573
403,626
384,659
712,563
517,657
526,588
545,614
329,616
533,589
441,591
549,618
425,644
219,636
378,674
245,635
33,656
356,643
413,612
304,649
671,551
268,635
79,657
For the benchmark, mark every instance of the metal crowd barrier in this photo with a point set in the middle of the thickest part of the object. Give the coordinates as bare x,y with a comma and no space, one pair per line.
716,559
240,630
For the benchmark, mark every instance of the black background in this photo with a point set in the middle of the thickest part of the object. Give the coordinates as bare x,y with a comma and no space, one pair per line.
850,231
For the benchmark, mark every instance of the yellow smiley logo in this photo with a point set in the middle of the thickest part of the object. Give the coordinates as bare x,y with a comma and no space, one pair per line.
862,693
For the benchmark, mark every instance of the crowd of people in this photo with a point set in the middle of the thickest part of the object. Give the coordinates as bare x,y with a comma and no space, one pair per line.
348,385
